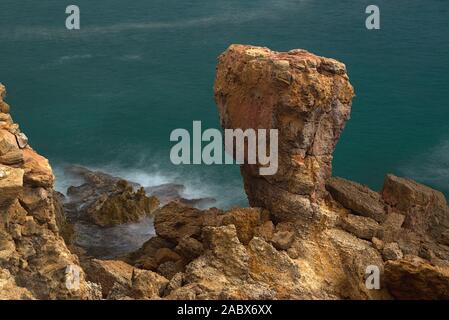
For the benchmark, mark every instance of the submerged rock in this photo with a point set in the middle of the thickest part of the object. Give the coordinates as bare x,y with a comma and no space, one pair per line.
106,200
121,207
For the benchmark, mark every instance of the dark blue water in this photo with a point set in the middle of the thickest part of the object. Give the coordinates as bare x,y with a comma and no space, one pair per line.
108,95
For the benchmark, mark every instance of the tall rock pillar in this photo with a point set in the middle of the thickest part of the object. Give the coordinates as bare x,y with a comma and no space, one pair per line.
307,98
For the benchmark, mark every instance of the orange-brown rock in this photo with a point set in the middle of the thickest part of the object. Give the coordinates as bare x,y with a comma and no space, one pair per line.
34,259
11,183
4,107
245,221
106,200
307,98
122,206
358,198
297,241
426,210
413,278
38,172
109,274
175,221
119,280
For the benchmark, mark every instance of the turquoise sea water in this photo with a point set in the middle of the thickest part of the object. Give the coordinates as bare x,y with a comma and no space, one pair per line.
108,96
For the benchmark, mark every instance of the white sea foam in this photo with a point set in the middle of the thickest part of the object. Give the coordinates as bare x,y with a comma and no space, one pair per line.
66,59
269,9
119,240
227,193
107,243
432,168
131,57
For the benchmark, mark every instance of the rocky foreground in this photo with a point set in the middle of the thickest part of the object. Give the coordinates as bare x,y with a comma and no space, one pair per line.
308,235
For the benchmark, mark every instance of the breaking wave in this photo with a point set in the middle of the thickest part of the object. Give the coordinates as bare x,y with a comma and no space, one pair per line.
228,193
107,243
432,169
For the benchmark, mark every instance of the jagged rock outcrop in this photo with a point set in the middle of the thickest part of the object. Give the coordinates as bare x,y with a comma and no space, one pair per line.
218,256
106,200
221,255
425,210
307,98
306,236
34,258
359,198
120,281
413,278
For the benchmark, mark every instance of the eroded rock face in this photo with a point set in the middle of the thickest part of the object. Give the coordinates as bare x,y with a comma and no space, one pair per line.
106,200
425,209
230,270
413,278
307,244
302,243
176,221
307,98
121,281
33,256
412,223
359,198
221,255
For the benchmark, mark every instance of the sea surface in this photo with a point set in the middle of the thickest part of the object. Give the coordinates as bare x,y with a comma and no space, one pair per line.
107,96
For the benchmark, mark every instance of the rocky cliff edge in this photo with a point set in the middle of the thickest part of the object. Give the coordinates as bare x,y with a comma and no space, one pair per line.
307,235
